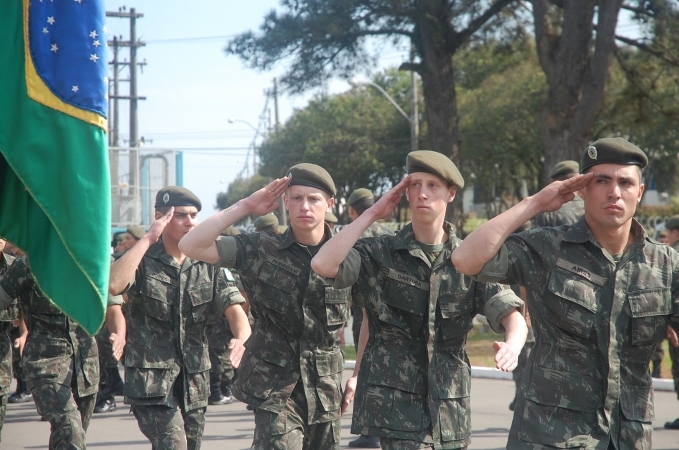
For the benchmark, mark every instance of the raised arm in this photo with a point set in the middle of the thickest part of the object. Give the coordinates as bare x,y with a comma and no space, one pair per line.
199,243
328,259
122,270
483,243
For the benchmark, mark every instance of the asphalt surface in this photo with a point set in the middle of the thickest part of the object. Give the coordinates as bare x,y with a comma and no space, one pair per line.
230,426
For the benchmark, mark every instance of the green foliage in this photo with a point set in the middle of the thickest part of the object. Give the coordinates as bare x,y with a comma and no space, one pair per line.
240,188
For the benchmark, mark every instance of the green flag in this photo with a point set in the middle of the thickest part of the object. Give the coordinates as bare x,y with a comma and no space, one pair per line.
54,175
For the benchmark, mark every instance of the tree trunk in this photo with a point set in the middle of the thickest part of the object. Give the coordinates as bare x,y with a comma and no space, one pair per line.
576,65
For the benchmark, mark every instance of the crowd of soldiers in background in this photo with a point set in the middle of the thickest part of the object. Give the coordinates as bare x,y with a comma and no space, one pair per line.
95,392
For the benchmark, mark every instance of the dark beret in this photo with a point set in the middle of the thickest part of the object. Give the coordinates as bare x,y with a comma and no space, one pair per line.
330,217
177,196
435,163
358,195
672,223
136,231
612,151
120,238
266,221
230,231
306,174
563,168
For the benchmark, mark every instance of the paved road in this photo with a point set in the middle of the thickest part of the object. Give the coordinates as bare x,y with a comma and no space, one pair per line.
230,427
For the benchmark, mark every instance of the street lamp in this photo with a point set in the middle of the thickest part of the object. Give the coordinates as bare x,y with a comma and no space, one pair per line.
254,147
412,120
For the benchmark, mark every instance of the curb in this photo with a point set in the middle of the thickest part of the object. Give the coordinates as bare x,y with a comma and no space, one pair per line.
659,384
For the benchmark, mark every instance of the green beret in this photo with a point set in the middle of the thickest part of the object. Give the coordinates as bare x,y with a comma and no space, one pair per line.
266,221
120,238
230,231
358,195
330,217
612,151
672,223
177,196
306,174
563,168
136,231
435,163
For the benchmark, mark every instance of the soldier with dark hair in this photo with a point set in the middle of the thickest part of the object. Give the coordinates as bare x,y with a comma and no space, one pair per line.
570,212
267,223
171,296
292,369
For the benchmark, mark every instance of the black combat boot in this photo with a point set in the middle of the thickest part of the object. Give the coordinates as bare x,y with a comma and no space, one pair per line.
364,441
107,404
216,397
21,395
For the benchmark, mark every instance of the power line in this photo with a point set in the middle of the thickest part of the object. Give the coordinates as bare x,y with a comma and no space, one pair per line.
195,40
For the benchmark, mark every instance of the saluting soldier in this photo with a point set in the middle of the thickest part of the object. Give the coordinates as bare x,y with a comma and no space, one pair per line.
170,298
292,367
570,212
267,223
412,369
601,294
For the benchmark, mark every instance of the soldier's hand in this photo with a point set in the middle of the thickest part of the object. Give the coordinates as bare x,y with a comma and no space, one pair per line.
118,343
158,226
672,336
264,200
386,204
506,356
554,195
349,393
20,343
237,349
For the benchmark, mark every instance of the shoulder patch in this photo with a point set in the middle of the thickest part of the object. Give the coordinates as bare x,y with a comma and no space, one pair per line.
228,274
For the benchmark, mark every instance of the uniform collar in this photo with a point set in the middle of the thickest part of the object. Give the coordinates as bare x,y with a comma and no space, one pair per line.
405,239
288,237
579,232
7,259
157,251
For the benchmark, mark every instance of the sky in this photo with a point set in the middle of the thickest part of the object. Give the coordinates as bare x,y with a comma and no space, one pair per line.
193,88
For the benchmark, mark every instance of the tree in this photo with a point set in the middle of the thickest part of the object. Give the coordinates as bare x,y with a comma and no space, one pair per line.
240,188
327,37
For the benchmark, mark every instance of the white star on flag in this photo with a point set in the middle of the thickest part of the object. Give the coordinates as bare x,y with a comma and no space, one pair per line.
50,20
54,48
96,43
45,30
93,34
75,88
94,57
79,1
104,30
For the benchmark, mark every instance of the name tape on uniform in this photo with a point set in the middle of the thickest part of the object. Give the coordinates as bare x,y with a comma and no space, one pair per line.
574,268
283,265
408,279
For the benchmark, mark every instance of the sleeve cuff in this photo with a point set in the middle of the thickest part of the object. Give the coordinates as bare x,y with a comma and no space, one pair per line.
499,306
113,300
348,270
227,250
230,296
496,268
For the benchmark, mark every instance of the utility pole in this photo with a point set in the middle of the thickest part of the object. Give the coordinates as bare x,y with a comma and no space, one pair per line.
277,127
414,118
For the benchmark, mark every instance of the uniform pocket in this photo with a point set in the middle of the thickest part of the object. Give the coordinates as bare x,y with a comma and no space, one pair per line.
336,305
275,287
455,415
405,302
146,382
201,301
650,311
89,356
158,296
571,303
262,372
636,402
329,382
456,312
44,358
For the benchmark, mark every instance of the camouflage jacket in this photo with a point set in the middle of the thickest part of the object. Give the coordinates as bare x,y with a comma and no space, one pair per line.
299,320
376,229
596,324
567,215
55,342
167,331
675,246
6,317
415,376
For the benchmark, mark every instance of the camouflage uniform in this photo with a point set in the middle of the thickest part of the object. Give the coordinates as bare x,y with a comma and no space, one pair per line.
60,360
597,322
292,367
219,336
6,318
567,215
415,377
674,351
375,229
167,363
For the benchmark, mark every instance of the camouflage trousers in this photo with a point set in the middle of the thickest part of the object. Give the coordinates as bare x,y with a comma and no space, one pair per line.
3,411
674,356
218,348
17,370
357,321
68,415
171,428
402,444
289,430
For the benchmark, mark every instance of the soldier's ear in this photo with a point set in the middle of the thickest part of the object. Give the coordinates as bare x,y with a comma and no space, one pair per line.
451,193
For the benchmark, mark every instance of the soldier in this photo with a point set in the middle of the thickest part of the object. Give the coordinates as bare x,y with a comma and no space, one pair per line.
413,372
292,368
132,236
267,223
359,201
570,212
60,360
170,298
662,237
6,317
672,228
331,220
601,294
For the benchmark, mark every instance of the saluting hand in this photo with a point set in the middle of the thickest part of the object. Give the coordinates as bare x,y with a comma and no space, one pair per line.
349,393
264,200
556,194
237,349
158,226
386,204
506,356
